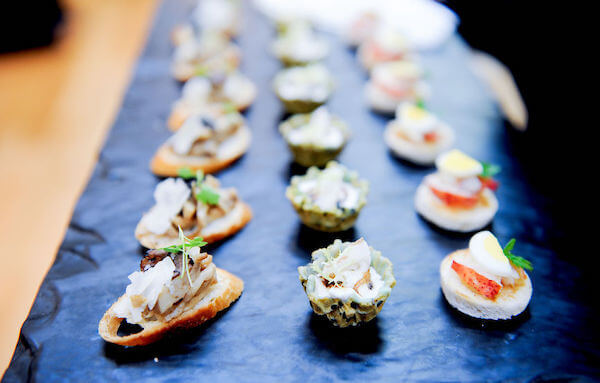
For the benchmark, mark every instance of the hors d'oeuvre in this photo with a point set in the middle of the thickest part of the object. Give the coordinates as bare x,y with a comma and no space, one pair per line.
315,138
348,282
224,16
393,83
202,210
203,143
329,199
486,281
299,45
227,91
460,195
362,28
382,46
210,53
302,89
417,135
177,288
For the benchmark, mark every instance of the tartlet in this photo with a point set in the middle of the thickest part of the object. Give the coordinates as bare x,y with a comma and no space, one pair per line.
393,83
299,45
485,281
177,288
417,135
302,89
202,209
315,138
330,199
217,93
203,143
348,282
460,195
210,53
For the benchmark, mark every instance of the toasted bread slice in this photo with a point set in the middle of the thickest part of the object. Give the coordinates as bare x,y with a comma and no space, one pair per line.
421,153
455,219
166,162
219,297
221,228
510,302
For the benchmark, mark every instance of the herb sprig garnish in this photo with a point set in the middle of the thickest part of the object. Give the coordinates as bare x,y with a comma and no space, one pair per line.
420,104
206,194
183,248
489,170
516,260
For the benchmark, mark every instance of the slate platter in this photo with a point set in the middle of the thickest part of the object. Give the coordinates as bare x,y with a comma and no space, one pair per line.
270,334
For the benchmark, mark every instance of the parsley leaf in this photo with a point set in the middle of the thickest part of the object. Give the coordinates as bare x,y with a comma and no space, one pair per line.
207,195
516,260
489,170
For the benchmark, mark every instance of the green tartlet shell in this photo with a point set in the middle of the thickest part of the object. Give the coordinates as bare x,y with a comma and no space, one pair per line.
309,154
298,105
329,221
355,309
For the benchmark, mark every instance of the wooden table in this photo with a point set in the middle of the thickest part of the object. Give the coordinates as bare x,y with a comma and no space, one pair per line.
56,106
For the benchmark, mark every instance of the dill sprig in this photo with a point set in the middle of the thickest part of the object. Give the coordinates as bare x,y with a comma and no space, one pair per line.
516,260
489,170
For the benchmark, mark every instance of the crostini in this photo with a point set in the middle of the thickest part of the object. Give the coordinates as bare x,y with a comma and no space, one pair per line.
203,209
417,135
209,53
384,45
299,45
177,288
460,195
393,83
315,138
219,92
302,89
486,281
348,282
203,143
329,199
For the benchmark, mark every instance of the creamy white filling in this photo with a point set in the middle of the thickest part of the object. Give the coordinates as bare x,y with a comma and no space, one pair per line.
192,129
305,83
170,195
348,269
458,186
196,91
320,131
329,194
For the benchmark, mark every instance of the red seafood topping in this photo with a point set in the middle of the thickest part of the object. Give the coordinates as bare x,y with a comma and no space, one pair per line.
455,200
489,182
477,282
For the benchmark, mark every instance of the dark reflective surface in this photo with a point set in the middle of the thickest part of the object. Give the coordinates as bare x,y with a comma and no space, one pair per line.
270,334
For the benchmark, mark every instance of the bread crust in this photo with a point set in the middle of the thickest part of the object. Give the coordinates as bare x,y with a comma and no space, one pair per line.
510,302
165,162
225,291
459,220
421,153
241,214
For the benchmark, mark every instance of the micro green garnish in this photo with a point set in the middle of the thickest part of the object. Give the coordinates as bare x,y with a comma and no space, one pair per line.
228,107
201,71
206,195
516,260
185,173
489,170
185,245
420,103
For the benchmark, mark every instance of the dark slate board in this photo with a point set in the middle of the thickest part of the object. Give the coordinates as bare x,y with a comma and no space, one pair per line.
270,334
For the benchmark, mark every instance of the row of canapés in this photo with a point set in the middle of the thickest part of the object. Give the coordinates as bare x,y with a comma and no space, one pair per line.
178,286
349,282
